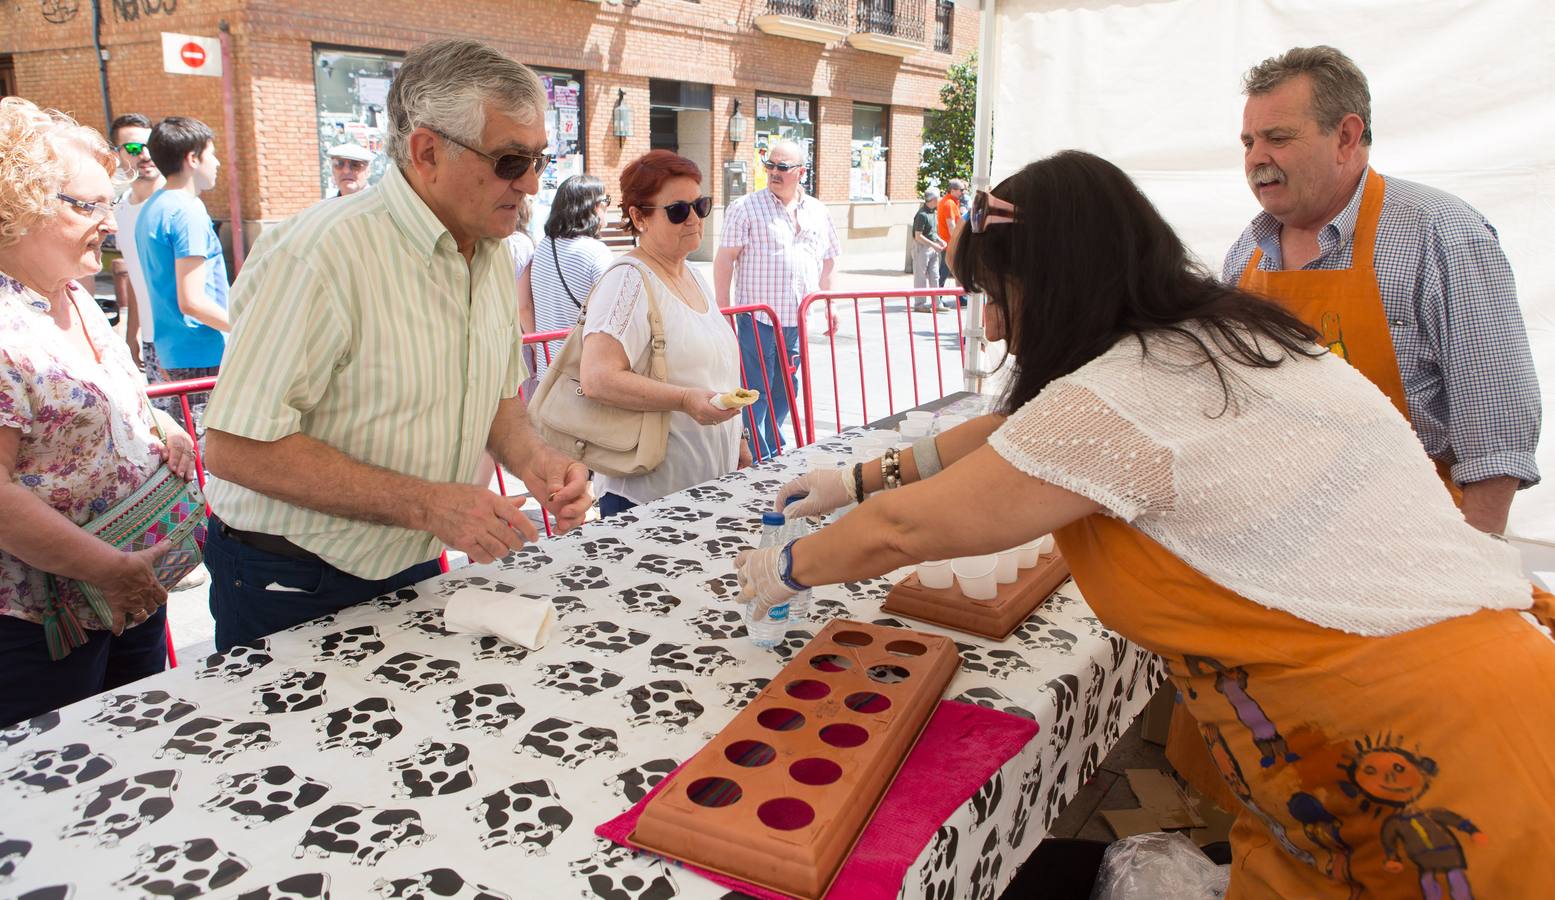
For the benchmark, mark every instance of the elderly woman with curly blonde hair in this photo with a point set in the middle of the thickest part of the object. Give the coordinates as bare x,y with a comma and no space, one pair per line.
76,432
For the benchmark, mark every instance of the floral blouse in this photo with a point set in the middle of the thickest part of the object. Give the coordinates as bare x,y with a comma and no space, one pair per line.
86,438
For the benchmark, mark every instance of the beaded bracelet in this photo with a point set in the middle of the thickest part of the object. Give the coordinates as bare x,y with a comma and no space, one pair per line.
891,469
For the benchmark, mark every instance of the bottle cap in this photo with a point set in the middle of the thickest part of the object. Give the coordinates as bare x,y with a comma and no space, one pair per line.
773,518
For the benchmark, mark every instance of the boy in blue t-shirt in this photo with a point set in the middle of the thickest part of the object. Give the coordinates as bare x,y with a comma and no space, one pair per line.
186,274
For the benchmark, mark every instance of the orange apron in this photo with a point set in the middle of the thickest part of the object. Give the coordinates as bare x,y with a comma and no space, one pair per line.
1345,306
1416,765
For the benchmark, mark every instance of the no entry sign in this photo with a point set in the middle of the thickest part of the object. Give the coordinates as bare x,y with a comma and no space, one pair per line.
188,54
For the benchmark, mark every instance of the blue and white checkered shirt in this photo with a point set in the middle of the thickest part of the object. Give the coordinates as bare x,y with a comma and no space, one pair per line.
1451,304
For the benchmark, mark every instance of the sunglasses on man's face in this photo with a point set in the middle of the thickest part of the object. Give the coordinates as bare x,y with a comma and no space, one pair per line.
781,166
133,148
353,164
508,166
990,210
679,211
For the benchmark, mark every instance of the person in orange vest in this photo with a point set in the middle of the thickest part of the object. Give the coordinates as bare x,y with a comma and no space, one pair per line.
947,216
1235,498
1407,282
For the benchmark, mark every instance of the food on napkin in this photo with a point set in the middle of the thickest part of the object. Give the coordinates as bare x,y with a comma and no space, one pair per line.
520,620
739,398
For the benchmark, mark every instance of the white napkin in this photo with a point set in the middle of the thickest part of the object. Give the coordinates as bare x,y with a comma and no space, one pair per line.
520,620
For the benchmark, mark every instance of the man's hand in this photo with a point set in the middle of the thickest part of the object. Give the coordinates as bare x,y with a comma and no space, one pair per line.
474,521
178,453
745,455
566,494
131,588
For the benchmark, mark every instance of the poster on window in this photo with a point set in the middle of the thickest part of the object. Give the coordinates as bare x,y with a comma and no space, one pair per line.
761,107
804,111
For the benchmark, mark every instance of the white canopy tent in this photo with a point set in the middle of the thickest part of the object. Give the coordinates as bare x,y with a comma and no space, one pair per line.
1463,99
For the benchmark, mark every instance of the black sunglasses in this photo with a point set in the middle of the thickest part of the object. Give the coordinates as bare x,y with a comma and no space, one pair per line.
508,166
679,211
132,148
781,167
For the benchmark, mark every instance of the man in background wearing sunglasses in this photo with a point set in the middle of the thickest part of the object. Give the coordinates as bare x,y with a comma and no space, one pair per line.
349,165
777,246
129,134
375,362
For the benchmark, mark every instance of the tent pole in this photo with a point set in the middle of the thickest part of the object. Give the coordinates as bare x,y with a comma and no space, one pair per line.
982,154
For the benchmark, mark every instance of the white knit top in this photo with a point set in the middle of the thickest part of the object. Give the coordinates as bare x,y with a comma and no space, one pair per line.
1309,494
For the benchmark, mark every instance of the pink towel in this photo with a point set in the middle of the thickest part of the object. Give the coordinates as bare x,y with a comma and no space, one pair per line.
959,750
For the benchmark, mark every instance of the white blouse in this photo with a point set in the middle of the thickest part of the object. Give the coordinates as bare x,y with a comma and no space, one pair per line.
1309,494
701,352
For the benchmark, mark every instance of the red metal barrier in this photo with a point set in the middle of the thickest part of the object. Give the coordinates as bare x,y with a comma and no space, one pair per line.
733,314
878,300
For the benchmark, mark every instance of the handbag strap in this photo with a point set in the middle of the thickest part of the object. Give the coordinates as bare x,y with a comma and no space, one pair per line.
557,257
658,366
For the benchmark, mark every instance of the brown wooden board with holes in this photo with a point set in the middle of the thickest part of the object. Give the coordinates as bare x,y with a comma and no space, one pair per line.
781,795
995,618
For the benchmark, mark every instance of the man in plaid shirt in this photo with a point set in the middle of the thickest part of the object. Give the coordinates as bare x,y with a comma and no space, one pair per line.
777,246
1407,282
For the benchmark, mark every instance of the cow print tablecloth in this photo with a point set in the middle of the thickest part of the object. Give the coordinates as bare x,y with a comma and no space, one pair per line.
375,754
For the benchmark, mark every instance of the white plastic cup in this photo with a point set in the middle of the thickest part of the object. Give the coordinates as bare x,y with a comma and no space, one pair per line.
912,429
1007,569
1048,546
976,576
946,422
918,415
1029,553
936,574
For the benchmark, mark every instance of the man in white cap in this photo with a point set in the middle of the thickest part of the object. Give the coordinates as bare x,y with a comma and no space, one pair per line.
348,165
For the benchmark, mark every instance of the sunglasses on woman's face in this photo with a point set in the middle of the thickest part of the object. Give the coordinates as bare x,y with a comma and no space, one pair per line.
990,210
508,166
679,211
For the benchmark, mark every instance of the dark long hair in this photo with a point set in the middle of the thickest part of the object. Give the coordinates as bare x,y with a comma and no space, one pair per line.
1089,261
575,211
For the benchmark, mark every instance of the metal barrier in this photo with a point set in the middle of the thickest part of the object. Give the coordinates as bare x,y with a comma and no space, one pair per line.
750,312
814,378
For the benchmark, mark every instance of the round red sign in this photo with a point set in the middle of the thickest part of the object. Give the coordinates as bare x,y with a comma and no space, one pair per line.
192,54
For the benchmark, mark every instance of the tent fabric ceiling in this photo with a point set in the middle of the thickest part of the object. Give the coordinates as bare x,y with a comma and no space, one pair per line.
1463,99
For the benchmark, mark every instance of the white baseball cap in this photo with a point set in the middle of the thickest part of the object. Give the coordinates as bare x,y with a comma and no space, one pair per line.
350,151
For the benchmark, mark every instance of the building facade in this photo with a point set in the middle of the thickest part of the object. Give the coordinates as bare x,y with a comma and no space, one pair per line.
850,78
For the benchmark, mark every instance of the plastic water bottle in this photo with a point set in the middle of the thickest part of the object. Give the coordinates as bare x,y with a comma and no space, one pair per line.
770,629
795,528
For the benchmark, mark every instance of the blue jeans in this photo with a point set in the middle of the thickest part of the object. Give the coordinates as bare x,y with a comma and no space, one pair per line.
610,504
768,440
32,684
246,608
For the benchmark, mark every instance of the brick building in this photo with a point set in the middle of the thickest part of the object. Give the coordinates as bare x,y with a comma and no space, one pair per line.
853,76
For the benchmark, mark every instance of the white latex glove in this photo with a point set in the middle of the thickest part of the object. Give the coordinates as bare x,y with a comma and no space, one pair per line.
825,490
757,571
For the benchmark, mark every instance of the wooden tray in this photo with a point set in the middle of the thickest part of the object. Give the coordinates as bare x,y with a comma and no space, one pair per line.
994,618
781,795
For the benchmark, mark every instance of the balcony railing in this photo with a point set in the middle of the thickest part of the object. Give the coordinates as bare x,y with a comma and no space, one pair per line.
944,25
830,12
904,19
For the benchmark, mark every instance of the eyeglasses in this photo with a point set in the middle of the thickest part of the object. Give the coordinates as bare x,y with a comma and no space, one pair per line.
603,201
781,167
98,212
990,210
508,166
679,211
347,163
133,148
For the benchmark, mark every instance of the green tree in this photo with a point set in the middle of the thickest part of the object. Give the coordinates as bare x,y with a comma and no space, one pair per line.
948,131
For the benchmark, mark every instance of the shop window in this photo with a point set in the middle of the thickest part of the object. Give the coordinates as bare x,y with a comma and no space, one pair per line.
867,156
564,131
783,117
351,93
680,119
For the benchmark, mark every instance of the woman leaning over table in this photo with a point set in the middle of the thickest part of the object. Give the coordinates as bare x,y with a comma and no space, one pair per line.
663,204
1248,506
75,428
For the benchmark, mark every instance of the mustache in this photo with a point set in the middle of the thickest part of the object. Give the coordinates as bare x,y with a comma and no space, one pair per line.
1268,172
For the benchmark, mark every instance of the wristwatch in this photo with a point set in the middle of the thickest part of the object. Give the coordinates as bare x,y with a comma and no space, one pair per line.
786,568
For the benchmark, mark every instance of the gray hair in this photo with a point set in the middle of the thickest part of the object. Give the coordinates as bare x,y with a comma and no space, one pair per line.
956,184
1338,84
445,86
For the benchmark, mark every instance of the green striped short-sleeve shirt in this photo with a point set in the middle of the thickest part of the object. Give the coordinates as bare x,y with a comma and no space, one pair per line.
359,324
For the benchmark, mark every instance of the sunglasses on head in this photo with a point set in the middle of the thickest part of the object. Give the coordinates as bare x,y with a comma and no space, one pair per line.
990,210
781,167
508,166
133,148
679,211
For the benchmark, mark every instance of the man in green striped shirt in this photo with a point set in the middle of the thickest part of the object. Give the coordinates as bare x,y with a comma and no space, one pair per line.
375,358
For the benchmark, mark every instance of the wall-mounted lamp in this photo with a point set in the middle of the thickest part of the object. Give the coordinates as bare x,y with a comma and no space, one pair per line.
622,118
737,125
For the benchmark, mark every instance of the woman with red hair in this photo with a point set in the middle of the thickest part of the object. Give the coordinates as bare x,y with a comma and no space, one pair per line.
663,204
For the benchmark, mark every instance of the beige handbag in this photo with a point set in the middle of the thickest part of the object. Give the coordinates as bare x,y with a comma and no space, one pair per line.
608,439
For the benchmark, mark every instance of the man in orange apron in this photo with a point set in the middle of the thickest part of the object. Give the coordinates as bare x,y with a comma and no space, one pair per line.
1341,248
